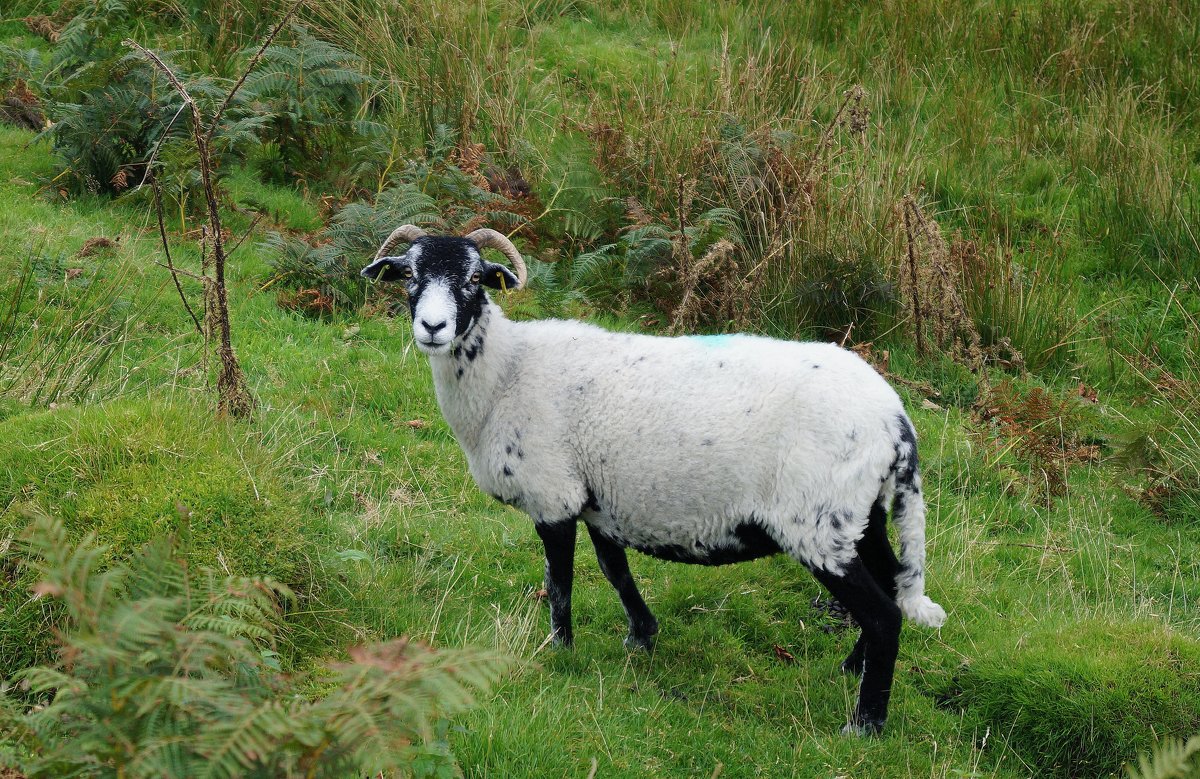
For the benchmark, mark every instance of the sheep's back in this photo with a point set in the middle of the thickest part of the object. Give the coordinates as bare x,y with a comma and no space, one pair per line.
694,434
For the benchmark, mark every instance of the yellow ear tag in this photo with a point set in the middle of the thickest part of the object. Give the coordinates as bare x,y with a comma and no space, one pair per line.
503,286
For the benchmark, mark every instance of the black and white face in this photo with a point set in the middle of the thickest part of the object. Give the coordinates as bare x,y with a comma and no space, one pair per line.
444,277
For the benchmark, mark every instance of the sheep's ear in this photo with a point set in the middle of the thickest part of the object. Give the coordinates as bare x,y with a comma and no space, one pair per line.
497,276
387,269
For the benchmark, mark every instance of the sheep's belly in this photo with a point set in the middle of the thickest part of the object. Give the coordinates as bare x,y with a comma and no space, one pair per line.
745,541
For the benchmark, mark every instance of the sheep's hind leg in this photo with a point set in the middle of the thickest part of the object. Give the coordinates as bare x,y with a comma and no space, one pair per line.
879,617
559,541
880,559
643,627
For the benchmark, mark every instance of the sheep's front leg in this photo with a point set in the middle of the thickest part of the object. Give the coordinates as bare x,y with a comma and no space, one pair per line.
559,540
643,627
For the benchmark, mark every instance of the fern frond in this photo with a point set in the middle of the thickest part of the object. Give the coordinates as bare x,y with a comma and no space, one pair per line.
41,680
149,687
586,267
1170,759
235,746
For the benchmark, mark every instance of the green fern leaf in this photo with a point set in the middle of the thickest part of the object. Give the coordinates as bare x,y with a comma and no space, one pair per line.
1170,759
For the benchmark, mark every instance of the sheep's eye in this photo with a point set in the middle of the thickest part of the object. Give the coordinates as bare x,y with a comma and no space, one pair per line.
407,272
475,277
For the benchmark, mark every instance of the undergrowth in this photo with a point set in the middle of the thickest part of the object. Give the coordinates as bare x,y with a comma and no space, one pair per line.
60,327
993,203
1168,450
181,662
1076,703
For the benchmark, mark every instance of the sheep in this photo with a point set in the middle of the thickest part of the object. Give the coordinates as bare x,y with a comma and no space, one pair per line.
709,450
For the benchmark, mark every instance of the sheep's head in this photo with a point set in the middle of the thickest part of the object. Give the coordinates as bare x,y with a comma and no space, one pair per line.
444,277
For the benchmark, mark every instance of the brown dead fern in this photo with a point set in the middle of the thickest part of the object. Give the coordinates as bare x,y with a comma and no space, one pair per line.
710,287
20,107
932,285
43,26
1041,430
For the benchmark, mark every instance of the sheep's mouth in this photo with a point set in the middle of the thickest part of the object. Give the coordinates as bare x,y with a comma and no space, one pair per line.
432,346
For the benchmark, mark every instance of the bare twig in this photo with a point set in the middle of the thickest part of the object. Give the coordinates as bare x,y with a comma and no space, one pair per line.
157,146
162,232
233,396
1043,547
251,65
918,326
193,276
157,62
855,94
257,218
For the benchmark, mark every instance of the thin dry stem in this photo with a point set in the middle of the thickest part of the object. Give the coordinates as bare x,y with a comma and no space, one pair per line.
233,396
250,67
162,233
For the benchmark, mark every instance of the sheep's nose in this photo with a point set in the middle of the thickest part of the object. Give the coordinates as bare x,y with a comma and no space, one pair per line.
432,329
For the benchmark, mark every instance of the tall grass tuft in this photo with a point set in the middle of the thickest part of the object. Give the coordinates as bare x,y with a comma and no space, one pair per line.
1019,310
1168,451
1128,147
1170,759
60,329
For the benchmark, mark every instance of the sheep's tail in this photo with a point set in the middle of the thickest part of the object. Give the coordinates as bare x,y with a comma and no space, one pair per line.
908,514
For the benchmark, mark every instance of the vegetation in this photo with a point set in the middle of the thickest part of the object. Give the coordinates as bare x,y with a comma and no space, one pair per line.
179,666
994,203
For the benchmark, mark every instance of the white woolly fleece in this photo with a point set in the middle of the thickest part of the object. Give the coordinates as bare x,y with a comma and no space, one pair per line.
674,442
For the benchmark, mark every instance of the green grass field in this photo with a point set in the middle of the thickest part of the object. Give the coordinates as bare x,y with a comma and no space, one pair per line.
1059,138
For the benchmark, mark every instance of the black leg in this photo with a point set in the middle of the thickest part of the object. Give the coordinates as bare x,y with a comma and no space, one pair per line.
643,627
877,553
880,559
559,540
879,617
854,662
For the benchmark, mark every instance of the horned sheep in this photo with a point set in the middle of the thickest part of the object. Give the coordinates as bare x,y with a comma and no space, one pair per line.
706,450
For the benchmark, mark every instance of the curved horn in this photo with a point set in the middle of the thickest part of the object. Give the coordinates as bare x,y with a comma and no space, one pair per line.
485,237
402,234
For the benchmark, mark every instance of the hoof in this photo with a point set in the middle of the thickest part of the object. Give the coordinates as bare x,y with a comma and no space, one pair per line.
854,664
562,640
863,729
634,643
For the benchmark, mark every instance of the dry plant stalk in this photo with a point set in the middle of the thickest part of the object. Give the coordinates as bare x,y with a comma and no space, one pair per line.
233,395
717,263
931,282
711,284
856,122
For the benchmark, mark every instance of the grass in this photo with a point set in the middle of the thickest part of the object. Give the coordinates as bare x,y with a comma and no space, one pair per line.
392,538
1073,636
1074,699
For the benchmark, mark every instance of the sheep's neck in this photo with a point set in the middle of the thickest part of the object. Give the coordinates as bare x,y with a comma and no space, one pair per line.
468,379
